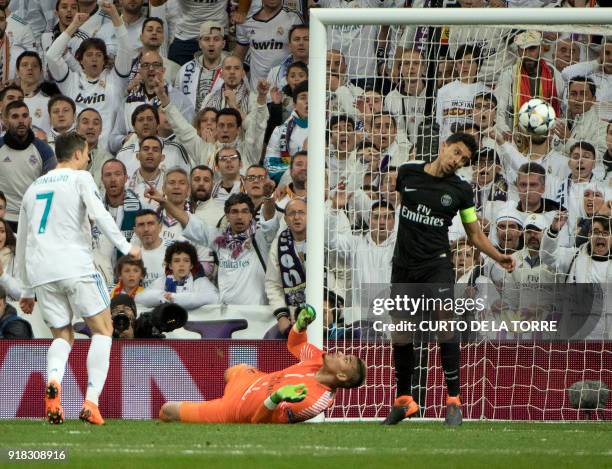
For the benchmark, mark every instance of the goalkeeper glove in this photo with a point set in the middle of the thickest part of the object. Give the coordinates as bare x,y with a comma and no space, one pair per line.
306,315
288,393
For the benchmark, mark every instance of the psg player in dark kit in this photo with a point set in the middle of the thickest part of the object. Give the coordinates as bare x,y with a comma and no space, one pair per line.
431,195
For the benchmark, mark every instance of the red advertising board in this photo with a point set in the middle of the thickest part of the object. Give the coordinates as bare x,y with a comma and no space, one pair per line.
499,381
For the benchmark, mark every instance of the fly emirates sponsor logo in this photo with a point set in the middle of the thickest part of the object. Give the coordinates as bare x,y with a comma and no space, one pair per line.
422,215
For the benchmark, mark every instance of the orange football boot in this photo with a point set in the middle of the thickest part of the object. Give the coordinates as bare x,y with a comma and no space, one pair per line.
454,417
91,414
403,407
53,403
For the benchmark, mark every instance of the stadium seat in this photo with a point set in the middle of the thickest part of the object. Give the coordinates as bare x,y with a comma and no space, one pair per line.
274,334
217,329
81,328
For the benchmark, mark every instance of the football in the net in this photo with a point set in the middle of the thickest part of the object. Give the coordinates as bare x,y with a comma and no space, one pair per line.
536,117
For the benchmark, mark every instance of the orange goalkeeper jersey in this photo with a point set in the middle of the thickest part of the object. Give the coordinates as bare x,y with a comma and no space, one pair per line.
252,387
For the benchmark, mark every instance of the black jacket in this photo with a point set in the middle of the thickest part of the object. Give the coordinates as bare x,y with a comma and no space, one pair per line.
14,327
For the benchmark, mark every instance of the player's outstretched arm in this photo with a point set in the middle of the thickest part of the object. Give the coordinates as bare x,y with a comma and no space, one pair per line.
306,314
20,254
297,343
480,241
26,302
288,393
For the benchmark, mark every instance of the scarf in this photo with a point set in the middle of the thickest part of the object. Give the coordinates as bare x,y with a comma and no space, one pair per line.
139,95
236,243
5,59
137,179
167,220
187,283
293,275
119,289
206,84
15,144
385,159
217,188
545,88
126,213
285,137
197,271
172,283
217,99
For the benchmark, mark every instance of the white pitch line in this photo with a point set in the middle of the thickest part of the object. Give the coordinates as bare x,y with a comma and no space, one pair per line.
321,450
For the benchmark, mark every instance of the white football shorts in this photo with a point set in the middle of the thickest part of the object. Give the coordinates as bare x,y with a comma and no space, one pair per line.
60,301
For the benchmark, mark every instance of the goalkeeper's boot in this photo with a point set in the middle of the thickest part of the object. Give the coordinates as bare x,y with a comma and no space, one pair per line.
454,417
403,407
53,403
91,414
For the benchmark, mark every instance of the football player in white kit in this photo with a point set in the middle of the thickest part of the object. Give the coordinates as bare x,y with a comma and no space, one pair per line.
55,263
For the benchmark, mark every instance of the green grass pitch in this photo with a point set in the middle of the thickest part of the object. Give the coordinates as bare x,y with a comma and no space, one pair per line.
144,444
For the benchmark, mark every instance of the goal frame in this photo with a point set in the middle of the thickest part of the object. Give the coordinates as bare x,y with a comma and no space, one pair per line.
320,19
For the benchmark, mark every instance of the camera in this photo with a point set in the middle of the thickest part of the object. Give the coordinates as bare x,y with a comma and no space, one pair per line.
164,318
123,315
121,322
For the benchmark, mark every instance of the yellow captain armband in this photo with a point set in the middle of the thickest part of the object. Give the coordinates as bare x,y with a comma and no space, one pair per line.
468,215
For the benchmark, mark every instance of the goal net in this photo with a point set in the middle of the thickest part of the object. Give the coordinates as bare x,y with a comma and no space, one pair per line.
389,86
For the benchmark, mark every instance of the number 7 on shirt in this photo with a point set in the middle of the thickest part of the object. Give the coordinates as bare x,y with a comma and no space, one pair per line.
48,198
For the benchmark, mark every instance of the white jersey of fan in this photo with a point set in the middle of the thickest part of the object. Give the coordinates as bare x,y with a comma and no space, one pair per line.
54,238
195,12
356,41
454,105
38,14
105,93
267,40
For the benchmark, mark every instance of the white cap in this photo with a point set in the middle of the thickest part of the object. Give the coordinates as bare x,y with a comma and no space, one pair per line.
208,26
528,39
510,214
535,220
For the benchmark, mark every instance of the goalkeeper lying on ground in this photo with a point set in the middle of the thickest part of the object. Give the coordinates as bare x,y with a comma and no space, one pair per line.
291,395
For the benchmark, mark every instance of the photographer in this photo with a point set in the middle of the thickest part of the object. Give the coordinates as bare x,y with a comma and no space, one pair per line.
150,325
123,313
11,325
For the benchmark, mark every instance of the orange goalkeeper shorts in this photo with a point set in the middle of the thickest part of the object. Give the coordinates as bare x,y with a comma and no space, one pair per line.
223,410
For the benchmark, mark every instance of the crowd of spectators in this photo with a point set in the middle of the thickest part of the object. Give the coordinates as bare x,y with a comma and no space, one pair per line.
196,118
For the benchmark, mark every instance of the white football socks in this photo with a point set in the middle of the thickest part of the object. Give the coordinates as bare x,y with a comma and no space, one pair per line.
57,357
97,366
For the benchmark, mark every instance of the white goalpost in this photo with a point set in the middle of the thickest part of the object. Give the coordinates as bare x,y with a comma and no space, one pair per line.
501,380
